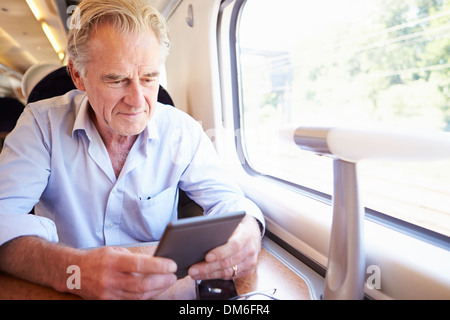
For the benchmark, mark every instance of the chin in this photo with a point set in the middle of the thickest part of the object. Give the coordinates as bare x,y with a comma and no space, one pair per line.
130,130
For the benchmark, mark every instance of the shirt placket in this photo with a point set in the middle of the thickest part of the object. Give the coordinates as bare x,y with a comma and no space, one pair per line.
113,214
115,204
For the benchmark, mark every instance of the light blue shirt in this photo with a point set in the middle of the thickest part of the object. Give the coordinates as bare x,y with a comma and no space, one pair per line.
55,159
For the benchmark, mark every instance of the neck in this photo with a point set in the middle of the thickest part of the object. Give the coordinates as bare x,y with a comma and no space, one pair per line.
118,146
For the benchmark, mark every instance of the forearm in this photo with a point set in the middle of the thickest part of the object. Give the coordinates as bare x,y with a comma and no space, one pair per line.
106,272
37,260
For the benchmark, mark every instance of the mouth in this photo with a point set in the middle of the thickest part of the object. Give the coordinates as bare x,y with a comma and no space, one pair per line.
131,115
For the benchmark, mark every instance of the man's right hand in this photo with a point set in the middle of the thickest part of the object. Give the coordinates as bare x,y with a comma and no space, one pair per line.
116,273
105,273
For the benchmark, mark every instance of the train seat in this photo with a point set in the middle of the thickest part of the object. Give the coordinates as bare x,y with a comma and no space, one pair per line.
10,110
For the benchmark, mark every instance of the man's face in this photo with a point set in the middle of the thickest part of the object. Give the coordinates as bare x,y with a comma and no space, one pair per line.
121,80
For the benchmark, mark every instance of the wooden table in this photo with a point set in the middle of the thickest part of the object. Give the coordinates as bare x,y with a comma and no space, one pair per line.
270,274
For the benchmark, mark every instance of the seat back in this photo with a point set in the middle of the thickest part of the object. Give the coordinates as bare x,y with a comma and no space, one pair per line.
34,74
56,83
10,110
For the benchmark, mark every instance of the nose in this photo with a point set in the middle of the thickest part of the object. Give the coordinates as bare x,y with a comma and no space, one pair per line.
134,95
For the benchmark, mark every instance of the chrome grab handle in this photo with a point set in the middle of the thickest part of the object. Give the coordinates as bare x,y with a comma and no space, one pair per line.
346,257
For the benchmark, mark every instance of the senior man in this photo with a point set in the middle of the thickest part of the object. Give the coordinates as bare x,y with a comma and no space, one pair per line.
102,166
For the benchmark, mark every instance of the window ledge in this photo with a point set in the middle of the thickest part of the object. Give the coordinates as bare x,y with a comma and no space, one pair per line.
410,268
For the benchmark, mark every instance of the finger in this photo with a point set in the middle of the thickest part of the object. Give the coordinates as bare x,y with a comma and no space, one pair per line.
243,270
139,286
246,233
230,248
216,269
122,260
246,258
142,263
127,293
136,285
205,270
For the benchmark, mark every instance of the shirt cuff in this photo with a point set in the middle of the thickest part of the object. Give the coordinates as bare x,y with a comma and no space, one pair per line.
17,225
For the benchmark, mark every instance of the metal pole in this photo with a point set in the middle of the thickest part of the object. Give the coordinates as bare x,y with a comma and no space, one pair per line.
346,261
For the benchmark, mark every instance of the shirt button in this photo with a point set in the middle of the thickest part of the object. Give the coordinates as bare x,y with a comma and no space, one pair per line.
110,225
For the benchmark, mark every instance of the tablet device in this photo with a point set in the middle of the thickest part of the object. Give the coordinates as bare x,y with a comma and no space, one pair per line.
188,240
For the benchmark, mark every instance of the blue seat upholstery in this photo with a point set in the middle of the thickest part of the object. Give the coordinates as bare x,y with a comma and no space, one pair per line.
10,110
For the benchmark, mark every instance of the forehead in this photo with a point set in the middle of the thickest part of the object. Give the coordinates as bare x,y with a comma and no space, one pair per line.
120,51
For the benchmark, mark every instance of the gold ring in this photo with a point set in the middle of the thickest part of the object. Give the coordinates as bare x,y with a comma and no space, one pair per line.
235,271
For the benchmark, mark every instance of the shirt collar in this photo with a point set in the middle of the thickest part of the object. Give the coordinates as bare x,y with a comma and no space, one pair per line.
152,132
82,120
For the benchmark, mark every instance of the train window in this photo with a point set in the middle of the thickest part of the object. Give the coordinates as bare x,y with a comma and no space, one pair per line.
348,62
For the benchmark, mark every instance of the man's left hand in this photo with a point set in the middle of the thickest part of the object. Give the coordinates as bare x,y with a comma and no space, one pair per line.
235,259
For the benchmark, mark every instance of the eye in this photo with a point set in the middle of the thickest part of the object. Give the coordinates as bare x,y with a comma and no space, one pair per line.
115,82
148,80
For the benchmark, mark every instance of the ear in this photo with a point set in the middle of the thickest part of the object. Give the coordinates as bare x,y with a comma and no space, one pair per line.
76,77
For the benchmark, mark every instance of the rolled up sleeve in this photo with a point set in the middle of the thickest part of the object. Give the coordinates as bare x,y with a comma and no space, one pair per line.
24,171
17,225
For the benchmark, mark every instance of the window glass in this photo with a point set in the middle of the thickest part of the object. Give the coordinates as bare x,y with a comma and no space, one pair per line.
347,62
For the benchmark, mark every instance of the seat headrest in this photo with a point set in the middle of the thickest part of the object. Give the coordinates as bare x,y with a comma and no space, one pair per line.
34,74
56,83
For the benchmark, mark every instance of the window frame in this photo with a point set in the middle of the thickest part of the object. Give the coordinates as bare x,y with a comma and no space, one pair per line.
384,219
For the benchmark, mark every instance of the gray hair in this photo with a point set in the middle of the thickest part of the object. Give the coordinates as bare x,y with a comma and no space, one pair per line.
126,16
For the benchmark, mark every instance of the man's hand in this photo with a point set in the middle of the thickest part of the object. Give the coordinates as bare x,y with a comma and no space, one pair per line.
116,273
106,273
235,259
